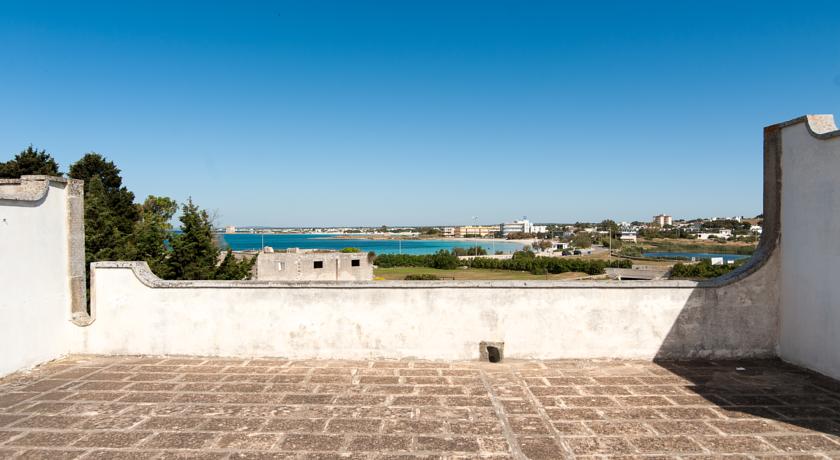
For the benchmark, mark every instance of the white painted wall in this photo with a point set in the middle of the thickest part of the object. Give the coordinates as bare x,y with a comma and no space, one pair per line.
810,248
401,319
34,270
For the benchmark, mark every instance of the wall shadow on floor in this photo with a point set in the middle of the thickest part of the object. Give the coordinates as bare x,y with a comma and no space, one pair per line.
767,389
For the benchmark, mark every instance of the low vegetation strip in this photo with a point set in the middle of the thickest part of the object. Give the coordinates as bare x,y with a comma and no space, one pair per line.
716,248
523,261
703,269
468,274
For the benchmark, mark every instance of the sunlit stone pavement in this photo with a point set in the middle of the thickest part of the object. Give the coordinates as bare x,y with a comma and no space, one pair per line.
187,407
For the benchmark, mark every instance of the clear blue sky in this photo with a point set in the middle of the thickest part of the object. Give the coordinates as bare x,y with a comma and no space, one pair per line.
420,112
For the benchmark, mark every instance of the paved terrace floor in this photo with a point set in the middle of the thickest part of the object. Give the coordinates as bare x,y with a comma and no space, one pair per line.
158,407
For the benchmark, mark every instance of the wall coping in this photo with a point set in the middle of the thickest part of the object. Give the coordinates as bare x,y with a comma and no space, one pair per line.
30,188
144,274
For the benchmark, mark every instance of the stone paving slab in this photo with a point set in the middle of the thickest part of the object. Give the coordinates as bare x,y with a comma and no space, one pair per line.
97,407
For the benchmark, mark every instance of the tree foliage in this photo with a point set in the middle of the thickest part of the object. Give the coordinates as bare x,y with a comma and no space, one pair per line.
470,251
542,244
520,236
118,199
152,232
582,240
609,225
195,254
30,161
104,239
521,261
703,269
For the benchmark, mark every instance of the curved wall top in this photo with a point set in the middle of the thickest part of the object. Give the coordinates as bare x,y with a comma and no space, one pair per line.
27,188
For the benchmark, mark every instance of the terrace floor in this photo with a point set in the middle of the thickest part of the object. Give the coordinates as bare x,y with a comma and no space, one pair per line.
173,407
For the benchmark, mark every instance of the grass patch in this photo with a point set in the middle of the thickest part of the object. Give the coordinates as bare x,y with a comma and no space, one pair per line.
399,273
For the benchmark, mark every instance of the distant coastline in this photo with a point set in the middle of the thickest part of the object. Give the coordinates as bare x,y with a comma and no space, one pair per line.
364,242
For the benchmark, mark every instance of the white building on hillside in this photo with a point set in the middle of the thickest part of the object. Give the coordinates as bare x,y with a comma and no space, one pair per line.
521,226
663,220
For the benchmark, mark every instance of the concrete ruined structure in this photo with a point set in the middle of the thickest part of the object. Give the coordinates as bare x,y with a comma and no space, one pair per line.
301,265
783,303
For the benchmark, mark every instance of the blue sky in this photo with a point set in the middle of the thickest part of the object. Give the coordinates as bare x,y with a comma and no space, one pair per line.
429,112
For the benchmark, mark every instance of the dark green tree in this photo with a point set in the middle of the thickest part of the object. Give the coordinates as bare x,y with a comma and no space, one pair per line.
103,238
542,244
151,233
30,161
233,269
609,225
120,200
582,240
195,254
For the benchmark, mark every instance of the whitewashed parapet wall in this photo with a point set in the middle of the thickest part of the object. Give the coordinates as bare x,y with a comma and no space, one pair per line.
42,279
137,313
731,317
810,244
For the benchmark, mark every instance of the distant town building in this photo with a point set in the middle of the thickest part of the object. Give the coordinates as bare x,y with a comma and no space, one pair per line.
663,220
481,231
756,229
448,231
298,265
230,229
521,226
722,234
627,236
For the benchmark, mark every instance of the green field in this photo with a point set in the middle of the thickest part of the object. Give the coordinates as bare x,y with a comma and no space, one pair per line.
399,273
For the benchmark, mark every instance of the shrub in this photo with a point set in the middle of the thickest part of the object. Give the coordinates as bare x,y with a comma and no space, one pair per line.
703,269
524,254
350,250
470,251
422,277
523,262
445,260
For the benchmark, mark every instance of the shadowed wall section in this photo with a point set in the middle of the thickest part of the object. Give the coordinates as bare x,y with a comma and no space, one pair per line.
810,244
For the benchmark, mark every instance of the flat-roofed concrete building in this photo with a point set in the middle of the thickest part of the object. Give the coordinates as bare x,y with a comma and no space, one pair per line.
663,220
627,236
298,265
480,231
521,226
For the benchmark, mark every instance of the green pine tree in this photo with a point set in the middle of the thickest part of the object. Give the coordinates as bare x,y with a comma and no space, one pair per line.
232,269
151,232
30,161
119,199
103,238
195,254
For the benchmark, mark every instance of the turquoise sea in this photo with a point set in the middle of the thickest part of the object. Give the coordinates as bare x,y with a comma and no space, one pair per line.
246,241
